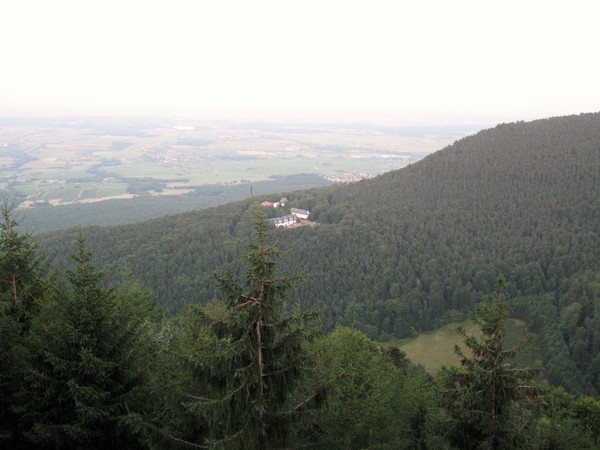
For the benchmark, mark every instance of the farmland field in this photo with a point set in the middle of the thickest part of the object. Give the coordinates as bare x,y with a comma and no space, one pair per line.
60,161
57,171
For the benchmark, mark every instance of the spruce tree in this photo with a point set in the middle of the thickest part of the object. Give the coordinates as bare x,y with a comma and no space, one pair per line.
83,367
484,394
21,271
21,287
248,363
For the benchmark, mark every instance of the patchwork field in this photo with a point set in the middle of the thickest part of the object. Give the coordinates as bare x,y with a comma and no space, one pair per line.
57,161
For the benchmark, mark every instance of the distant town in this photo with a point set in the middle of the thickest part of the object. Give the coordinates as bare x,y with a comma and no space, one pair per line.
349,177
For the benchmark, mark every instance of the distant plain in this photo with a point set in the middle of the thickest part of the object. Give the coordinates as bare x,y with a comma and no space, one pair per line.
61,161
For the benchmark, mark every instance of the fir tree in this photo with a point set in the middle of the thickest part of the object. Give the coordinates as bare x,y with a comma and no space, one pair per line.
21,272
83,367
485,392
21,287
249,362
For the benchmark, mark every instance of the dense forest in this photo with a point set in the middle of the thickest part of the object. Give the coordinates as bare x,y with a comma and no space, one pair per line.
44,218
415,248
84,364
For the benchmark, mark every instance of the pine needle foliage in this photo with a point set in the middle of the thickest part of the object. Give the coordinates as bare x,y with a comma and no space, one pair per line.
484,394
21,287
21,271
83,366
253,359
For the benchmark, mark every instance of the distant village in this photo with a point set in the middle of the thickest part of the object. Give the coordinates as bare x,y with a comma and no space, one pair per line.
349,177
296,217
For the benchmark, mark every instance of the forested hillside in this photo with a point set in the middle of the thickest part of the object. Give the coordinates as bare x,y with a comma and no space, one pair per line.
86,365
145,207
416,248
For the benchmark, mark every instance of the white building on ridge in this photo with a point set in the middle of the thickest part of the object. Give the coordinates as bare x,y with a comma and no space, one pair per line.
299,213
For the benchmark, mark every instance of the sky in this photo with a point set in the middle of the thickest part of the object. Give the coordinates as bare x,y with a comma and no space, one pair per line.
509,60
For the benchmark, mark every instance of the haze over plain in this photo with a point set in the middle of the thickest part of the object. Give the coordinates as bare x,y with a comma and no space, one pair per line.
431,61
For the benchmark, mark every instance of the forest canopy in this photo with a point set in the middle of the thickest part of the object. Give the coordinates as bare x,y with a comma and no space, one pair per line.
89,365
416,248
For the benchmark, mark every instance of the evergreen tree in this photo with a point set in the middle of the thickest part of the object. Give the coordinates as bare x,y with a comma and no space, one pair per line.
21,271
84,367
568,422
248,362
21,287
485,394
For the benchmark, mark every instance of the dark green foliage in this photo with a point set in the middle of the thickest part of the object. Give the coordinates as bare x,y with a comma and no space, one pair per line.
21,288
486,393
244,365
371,402
146,207
567,422
417,248
169,422
567,328
21,272
84,364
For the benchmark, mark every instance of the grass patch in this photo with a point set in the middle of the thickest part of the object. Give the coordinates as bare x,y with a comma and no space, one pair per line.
436,349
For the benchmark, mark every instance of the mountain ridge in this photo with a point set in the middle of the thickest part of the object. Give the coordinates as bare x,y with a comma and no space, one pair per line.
416,248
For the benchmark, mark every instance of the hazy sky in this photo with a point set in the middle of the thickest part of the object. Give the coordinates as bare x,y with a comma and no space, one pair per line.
512,59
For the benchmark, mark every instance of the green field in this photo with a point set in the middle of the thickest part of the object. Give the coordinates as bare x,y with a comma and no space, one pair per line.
436,349
227,170
67,162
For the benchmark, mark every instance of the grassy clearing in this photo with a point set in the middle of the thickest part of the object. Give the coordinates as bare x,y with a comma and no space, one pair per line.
436,349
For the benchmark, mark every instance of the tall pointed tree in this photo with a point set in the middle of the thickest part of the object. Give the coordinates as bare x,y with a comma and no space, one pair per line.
253,358
83,364
484,393
21,287
21,271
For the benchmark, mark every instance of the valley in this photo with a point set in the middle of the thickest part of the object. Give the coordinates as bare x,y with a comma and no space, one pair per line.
64,161
205,327
414,249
